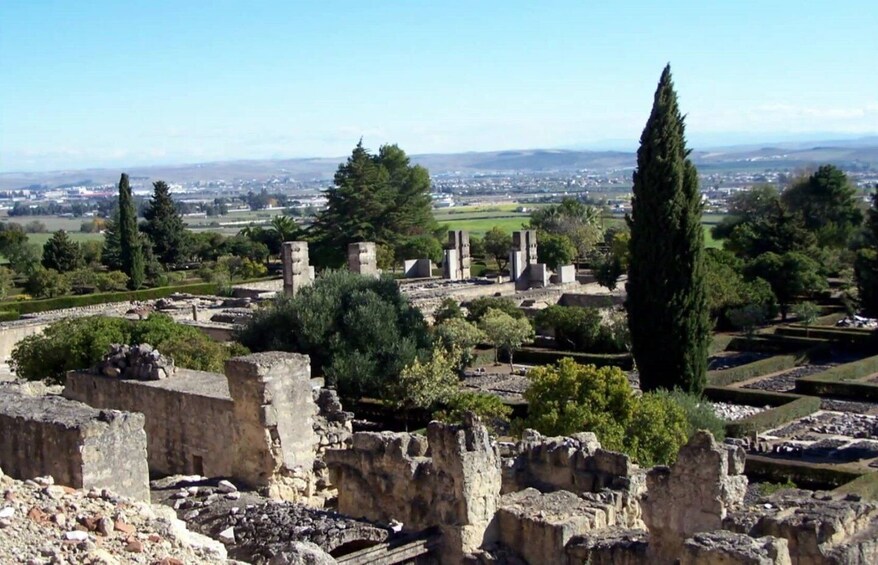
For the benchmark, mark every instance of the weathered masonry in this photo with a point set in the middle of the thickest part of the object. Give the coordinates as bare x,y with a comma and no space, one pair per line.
77,445
256,423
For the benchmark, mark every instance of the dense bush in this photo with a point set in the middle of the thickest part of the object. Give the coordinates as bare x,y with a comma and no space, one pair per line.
488,407
461,336
568,397
479,307
360,332
47,283
585,329
447,310
78,343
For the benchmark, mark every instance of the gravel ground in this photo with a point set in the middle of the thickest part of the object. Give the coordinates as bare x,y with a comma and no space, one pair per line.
731,412
786,381
729,359
43,523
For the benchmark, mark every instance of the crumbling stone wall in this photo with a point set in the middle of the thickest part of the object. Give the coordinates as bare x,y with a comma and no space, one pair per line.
273,412
189,426
449,479
77,445
693,495
577,463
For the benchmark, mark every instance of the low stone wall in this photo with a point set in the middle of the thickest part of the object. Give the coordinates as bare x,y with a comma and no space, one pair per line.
577,464
189,426
77,445
390,476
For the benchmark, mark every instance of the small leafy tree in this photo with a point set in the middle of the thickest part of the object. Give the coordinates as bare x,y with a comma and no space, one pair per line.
505,332
747,318
459,336
497,245
424,384
420,247
478,308
47,283
448,309
555,250
488,407
806,313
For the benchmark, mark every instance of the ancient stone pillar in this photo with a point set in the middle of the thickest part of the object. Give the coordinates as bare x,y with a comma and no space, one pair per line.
363,258
467,467
526,242
296,270
693,495
273,415
451,266
459,241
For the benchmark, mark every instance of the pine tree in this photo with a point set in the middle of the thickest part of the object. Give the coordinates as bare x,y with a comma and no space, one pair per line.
61,253
380,198
129,238
667,302
111,254
164,226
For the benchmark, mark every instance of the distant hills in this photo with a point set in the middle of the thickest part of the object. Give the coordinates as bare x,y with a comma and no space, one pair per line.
857,154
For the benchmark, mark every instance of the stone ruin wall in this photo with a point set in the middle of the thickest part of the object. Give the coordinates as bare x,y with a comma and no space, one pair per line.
77,445
262,423
189,427
450,479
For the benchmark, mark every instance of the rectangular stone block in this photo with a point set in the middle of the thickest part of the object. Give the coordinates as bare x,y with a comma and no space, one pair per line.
566,274
77,445
418,268
538,274
297,272
450,267
363,258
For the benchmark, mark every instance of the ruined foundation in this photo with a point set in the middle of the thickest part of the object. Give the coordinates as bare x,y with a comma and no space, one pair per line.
77,445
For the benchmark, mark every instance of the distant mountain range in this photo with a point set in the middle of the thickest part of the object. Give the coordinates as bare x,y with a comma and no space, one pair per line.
857,153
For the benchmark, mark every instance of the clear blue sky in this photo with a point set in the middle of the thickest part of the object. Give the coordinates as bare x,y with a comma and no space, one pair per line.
128,82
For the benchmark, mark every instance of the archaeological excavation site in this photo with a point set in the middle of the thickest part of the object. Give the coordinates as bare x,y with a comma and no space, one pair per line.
507,434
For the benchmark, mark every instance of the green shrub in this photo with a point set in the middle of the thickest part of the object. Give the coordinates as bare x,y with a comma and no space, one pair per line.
6,316
47,283
699,413
460,335
493,412
568,398
584,329
360,332
79,343
479,307
448,309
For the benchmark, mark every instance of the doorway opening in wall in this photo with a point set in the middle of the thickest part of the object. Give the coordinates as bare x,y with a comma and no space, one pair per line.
198,465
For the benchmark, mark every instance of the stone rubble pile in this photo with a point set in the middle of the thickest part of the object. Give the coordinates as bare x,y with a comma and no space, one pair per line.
43,523
857,322
136,362
730,412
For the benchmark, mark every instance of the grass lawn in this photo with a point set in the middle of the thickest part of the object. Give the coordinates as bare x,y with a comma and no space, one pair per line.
478,228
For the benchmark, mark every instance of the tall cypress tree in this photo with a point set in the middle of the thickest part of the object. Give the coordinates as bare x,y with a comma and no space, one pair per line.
667,301
129,238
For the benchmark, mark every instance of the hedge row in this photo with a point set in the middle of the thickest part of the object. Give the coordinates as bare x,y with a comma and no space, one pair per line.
725,377
773,417
842,382
748,396
537,356
864,485
847,336
35,306
719,343
8,316
770,343
815,476
848,371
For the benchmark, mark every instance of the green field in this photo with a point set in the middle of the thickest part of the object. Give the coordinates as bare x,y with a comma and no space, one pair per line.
41,238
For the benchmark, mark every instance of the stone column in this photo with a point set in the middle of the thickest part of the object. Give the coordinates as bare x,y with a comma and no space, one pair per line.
459,241
273,415
451,266
468,478
296,270
363,258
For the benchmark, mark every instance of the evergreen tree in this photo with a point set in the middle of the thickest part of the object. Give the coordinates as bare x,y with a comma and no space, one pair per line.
667,300
130,245
111,254
827,202
61,253
380,198
866,266
164,226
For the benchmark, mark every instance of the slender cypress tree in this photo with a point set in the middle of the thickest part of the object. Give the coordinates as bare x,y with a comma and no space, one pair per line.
131,247
667,301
